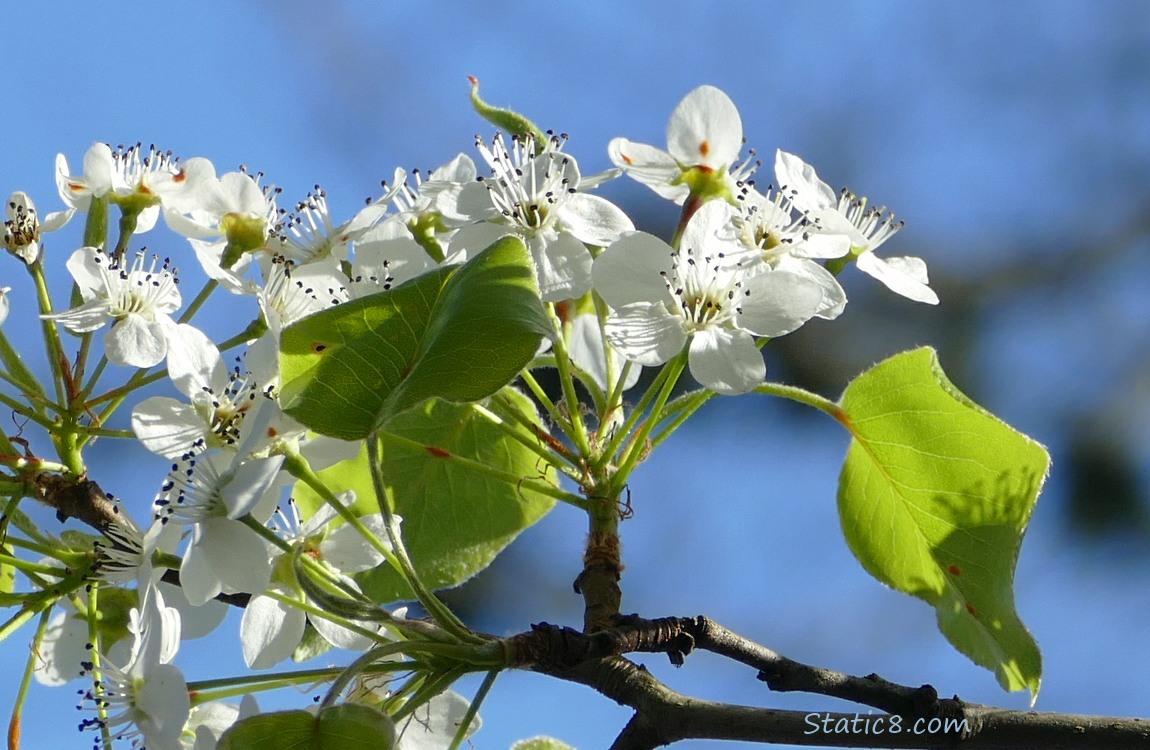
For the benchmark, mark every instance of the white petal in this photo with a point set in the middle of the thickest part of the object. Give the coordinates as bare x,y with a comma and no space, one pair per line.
194,362
270,631
902,275
136,341
629,270
778,302
250,482
562,266
341,637
85,265
705,129
798,181
195,622
163,700
651,166
433,726
586,349
594,220
646,333
166,426
726,360
712,230
63,648
348,550
88,317
224,555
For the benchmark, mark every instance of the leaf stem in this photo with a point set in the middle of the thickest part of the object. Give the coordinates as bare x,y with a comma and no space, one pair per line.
437,609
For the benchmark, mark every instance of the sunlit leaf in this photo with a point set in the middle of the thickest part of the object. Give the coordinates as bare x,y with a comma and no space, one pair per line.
458,333
347,726
455,520
934,498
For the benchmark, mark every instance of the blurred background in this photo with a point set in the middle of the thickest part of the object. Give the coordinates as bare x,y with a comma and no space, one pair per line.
1013,138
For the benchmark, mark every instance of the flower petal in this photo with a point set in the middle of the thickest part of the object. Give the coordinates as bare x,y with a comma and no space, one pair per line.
651,166
562,265
269,631
594,220
136,341
726,360
166,426
646,333
705,129
778,302
902,275
630,270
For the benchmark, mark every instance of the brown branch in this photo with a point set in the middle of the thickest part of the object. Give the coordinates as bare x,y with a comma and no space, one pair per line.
82,499
912,717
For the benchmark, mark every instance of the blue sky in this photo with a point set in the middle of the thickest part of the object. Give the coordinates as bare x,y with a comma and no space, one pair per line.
1008,135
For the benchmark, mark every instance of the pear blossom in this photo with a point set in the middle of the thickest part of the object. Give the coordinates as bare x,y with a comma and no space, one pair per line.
432,200
219,398
704,138
536,196
663,299
209,492
434,725
866,228
309,234
23,228
271,629
138,183
232,215
137,299
146,701
778,239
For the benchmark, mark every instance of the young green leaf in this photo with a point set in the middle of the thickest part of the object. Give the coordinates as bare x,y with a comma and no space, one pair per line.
346,726
507,119
541,743
934,498
455,520
456,333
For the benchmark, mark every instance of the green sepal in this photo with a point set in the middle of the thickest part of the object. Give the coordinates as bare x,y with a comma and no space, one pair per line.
934,498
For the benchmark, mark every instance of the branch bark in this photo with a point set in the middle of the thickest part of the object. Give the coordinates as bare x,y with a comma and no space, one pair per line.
912,717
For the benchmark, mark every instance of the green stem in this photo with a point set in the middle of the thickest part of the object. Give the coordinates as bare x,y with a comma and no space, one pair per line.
638,447
313,611
559,461
26,680
578,431
611,449
678,412
803,396
299,468
55,350
469,715
204,691
540,395
437,609
199,301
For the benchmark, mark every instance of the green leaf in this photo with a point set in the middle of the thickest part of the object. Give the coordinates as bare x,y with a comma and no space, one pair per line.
541,743
347,726
934,498
506,119
7,573
457,333
455,520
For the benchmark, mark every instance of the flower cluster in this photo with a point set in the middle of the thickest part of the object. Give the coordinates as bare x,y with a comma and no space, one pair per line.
745,265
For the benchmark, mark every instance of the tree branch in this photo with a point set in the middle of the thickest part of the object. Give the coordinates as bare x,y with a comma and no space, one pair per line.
911,718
